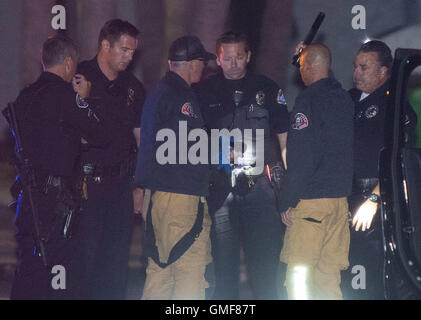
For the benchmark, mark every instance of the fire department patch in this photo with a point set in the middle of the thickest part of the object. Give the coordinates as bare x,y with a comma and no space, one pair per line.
300,121
187,109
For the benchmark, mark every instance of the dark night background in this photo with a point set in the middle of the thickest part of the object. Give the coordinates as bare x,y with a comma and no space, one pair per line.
274,28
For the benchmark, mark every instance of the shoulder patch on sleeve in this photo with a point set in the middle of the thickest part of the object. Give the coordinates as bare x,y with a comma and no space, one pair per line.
281,98
300,121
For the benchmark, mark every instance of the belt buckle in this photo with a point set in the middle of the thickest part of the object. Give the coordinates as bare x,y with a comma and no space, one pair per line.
88,168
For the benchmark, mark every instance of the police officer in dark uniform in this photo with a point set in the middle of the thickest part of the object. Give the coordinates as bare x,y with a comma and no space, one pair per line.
372,68
108,173
177,220
242,201
52,118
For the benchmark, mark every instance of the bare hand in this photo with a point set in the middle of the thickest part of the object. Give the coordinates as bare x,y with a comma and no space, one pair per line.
81,85
287,217
137,200
364,216
300,47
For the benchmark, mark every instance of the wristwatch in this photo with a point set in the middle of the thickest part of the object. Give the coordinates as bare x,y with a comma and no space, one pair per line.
80,102
374,198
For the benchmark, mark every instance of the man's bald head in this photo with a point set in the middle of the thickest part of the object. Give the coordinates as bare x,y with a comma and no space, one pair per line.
315,62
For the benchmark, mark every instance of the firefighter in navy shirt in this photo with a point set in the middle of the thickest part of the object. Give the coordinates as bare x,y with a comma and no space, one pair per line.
318,180
177,220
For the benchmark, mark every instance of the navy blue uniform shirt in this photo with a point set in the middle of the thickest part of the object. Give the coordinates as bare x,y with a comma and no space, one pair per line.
370,125
52,125
319,146
172,100
120,101
217,102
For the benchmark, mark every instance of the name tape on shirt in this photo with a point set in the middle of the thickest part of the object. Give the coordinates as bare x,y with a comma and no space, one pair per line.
300,121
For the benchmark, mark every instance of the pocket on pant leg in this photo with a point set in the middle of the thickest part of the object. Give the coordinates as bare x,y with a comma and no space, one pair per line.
301,247
304,239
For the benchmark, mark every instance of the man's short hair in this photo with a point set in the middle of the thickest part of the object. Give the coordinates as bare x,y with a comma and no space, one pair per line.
383,52
232,37
114,29
56,48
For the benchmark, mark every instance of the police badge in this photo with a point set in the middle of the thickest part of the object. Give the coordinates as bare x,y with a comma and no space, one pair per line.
130,96
371,111
260,98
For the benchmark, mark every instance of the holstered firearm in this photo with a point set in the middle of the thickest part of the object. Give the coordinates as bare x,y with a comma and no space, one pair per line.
275,174
67,207
26,176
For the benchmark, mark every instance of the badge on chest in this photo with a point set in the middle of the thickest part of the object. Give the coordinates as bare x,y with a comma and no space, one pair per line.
371,111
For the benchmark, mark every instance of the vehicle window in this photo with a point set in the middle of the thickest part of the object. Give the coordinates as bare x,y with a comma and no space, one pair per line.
414,98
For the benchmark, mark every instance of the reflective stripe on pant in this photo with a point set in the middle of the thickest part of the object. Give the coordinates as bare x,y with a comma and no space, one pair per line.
173,215
316,249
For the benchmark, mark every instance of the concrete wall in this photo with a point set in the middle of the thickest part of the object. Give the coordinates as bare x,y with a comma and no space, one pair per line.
23,23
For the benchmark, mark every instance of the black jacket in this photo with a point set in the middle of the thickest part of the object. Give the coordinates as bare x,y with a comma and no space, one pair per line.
52,125
169,104
372,131
120,102
319,146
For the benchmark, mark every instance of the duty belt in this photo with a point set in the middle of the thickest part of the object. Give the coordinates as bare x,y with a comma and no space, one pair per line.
251,178
54,181
122,169
45,182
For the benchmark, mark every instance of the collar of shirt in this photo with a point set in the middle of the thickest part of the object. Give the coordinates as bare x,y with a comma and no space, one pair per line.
322,85
364,95
100,76
51,77
176,80
357,95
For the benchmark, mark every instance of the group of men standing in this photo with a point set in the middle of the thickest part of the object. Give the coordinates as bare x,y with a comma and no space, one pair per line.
196,213
81,144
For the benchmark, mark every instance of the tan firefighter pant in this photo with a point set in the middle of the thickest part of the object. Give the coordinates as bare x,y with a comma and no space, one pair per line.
316,248
173,215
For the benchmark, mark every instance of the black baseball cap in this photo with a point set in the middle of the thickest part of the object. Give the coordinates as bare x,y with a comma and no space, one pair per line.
189,48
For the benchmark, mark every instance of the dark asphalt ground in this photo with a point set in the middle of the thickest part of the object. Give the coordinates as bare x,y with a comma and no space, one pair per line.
136,267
